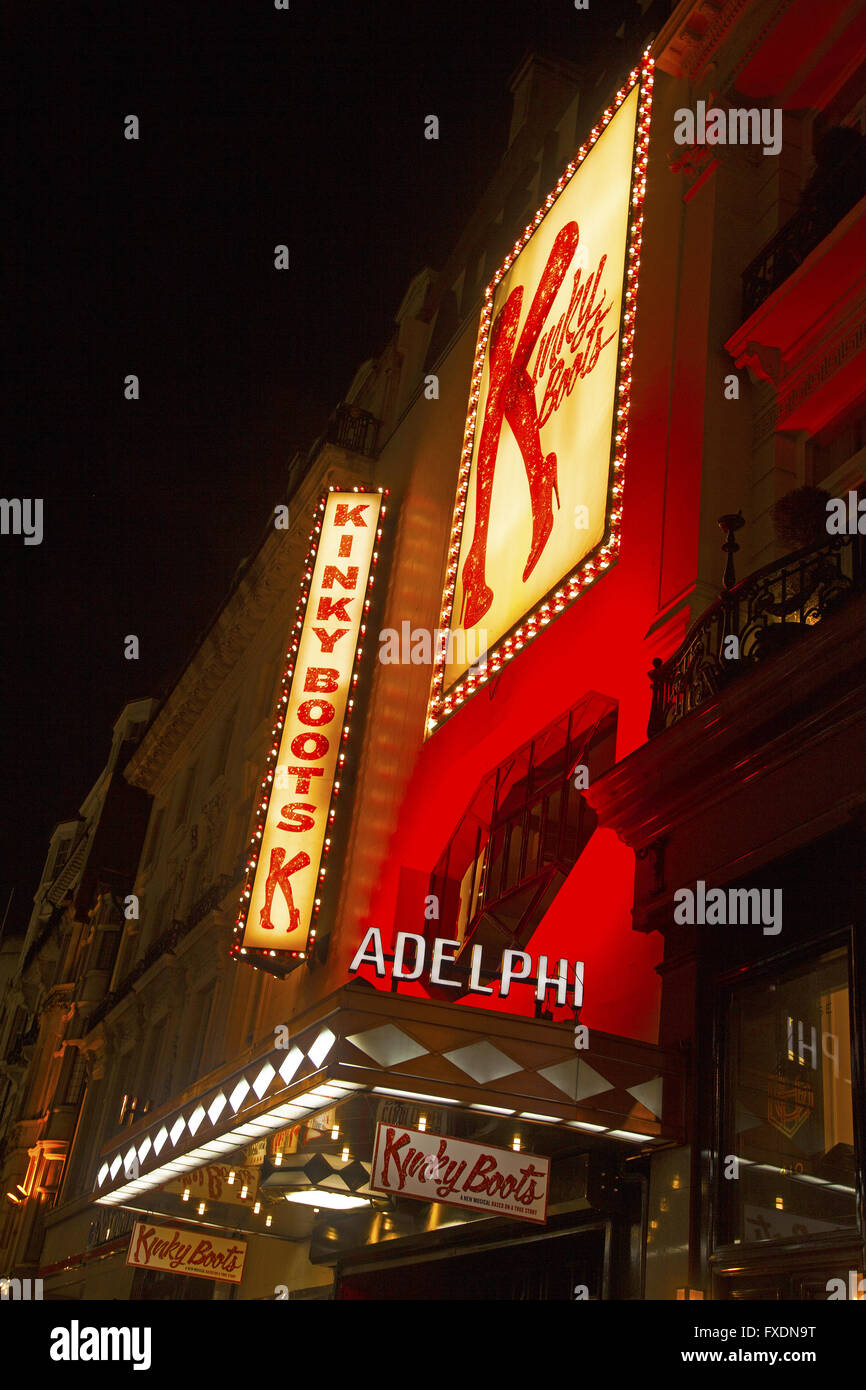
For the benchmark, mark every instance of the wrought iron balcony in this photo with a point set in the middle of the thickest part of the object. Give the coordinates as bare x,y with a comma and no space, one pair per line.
349,427
826,200
353,428
766,612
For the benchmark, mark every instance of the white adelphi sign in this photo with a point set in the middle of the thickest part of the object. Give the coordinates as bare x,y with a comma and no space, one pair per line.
280,896
514,966
435,1168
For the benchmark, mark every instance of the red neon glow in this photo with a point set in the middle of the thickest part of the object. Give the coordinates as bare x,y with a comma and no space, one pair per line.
413,797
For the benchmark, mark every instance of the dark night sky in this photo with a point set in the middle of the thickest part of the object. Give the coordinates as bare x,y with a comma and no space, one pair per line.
258,126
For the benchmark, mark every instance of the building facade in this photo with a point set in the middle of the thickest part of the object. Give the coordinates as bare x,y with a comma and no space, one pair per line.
563,1002
54,980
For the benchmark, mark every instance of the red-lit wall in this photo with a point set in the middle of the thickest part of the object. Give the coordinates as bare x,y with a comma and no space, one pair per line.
409,793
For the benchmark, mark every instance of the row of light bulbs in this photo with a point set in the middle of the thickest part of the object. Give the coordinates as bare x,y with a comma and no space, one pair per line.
252,955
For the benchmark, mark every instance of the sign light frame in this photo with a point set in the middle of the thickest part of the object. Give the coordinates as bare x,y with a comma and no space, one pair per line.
442,704
279,961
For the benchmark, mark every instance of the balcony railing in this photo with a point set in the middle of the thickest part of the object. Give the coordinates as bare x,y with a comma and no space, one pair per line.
350,428
825,203
353,428
766,612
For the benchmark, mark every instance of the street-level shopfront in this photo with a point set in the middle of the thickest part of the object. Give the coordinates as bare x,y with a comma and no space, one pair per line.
756,797
788,1034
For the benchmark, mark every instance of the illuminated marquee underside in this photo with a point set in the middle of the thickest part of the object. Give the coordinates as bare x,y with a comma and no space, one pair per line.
280,899
538,509
411,1049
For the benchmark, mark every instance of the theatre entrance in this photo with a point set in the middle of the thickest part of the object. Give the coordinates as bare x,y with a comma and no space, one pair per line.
559,1265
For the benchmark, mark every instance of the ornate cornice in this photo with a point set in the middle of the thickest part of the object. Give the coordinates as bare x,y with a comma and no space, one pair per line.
797,381
743,59
691,42
692,35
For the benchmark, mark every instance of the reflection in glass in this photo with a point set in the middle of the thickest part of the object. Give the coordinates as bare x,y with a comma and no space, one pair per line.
790,1113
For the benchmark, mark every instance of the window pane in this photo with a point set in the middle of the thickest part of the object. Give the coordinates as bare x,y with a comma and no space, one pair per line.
790,1119
551,829
512,865
534,823
571,846
470,895
494,867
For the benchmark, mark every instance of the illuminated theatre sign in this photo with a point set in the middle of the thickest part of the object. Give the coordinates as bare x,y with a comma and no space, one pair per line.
275,927
180,1250
538,508
434,1167
409,962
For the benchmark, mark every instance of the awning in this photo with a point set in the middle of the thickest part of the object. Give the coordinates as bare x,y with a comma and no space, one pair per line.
363,1039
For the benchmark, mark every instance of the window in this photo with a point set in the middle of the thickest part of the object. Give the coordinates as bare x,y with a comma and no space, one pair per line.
272,672
837,444
155,921
131,1109
51,1175
223,746
524,829
61,857
194,883
789,1108
185,795
196,1029
106,952
153,837
76,1078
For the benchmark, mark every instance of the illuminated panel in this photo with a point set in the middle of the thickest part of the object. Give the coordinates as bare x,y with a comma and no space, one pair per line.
275,927
538,508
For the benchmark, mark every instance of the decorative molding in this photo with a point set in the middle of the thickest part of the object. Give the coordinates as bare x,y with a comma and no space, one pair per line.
827,354
693,34
763,362
770,24
847,342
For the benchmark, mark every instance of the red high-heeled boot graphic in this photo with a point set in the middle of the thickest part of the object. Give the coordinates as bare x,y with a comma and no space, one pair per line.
477,597
278,876
511,396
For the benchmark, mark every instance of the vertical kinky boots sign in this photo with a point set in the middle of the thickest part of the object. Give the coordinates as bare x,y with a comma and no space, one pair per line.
538,508
276,923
